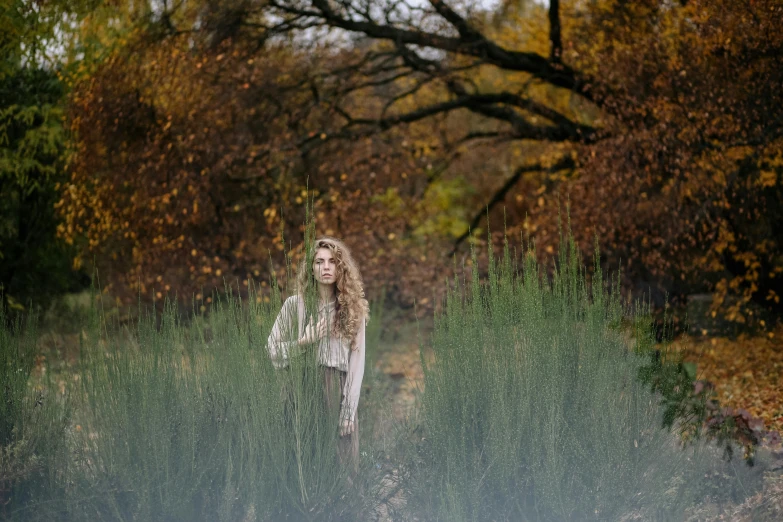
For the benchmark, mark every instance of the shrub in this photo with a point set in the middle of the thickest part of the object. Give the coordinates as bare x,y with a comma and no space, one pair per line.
195,423
533,409
181,420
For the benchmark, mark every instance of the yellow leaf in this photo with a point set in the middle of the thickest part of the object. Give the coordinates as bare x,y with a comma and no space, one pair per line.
768,178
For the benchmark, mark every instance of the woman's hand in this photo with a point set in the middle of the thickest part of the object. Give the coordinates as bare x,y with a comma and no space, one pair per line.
314,333
346,427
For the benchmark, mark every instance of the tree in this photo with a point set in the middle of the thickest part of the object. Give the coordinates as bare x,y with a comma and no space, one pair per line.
676,164
694,162
625,108
34,265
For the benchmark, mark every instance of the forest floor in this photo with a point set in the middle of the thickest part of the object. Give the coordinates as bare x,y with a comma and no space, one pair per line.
747,372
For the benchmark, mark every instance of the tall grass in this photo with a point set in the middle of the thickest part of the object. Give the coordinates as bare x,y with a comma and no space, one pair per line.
33,421
533,409
194,422
191,421
188,420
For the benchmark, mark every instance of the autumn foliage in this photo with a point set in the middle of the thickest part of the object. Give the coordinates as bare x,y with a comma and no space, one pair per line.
173,160
192,168
688,182
657,124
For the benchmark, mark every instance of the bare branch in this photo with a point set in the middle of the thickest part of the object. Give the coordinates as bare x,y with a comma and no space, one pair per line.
496,136
460,24
500,194
469,43
556,48
488,105
527,119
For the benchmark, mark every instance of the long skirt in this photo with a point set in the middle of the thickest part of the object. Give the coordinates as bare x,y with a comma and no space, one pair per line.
333,386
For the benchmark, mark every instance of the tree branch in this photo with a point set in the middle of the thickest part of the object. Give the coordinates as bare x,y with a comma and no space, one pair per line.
485,104
500,195
466,32
469,43
556,48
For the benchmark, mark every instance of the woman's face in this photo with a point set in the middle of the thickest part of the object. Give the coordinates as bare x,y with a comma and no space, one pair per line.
324,266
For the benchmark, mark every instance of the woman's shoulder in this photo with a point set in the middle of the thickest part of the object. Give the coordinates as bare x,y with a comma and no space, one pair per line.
292,300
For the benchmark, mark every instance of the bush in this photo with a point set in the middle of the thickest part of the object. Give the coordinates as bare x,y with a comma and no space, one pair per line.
181,420
533,409
35,264
194,423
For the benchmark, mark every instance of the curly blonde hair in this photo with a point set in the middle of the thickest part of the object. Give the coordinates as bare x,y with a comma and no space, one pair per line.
351,306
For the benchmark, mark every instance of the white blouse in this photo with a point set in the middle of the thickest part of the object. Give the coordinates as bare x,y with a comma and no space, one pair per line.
334,351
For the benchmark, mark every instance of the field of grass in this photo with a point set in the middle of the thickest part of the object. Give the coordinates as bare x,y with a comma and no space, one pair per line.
400,361
521,401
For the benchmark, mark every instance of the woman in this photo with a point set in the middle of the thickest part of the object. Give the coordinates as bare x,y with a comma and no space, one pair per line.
338,331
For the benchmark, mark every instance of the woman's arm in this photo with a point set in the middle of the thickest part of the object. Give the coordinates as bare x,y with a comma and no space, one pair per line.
283,340
353,381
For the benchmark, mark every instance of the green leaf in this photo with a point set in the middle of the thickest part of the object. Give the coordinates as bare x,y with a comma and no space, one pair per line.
690,369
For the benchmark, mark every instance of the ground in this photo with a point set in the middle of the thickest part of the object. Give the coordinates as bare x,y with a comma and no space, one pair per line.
747,372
